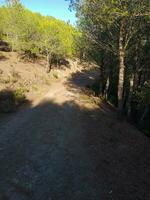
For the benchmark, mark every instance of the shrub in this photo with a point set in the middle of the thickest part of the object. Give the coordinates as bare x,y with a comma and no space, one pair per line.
55,74
1,71
7,101
15,74
20,96
95,87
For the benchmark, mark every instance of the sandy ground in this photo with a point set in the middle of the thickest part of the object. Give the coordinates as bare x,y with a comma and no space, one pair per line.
31,77
69,146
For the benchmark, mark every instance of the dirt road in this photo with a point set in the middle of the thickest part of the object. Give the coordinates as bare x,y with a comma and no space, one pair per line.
66,147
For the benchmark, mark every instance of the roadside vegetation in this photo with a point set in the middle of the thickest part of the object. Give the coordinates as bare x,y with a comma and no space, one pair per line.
30,40
33,35
116,35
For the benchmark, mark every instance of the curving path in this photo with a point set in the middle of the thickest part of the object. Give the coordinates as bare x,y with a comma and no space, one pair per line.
66,147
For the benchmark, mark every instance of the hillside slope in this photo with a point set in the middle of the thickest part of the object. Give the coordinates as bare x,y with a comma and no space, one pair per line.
18,74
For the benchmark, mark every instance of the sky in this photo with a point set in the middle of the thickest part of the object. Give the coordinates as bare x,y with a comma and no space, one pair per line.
56,8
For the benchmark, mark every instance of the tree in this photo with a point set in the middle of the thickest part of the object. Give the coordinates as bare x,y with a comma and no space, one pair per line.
112,25
32,34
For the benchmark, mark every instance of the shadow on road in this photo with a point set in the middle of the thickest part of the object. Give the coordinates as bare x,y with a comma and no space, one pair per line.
84,78
63,150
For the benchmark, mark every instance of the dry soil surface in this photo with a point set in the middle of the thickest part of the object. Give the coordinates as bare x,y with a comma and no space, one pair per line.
66,146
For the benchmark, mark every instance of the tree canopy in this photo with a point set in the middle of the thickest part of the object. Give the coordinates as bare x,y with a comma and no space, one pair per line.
117,38
29,32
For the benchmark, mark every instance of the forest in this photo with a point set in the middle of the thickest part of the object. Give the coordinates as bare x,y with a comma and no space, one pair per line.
116,35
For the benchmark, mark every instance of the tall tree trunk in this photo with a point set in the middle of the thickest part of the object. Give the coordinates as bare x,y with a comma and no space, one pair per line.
49,63
144,114
107,88
128,106
121,68
101,87
136,68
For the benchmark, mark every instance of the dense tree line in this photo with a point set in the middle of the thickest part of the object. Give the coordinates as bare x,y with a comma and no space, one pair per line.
32,34
117,37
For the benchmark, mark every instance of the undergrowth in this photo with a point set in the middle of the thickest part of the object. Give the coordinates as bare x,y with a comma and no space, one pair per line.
10,99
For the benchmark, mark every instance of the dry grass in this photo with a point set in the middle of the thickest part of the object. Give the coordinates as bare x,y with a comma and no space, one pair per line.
17,75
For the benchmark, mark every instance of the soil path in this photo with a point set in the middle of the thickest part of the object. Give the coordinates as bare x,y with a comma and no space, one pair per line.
66,147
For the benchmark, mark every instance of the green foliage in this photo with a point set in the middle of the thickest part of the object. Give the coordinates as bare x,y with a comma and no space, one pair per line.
9,99
55,75
30,33
142,96
115,34
20,96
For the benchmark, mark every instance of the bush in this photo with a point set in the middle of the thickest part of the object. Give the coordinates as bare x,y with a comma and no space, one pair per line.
9,99
20,96
55,75
4,46
95,87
